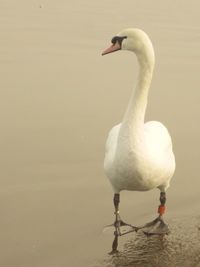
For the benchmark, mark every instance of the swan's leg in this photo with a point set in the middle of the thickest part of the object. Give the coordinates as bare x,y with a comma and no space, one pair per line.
158,226
161,208
118,223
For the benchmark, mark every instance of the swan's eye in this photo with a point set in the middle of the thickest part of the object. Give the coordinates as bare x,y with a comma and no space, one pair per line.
118,39
114,40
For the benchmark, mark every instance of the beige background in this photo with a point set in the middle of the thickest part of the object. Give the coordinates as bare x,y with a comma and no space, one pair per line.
58,100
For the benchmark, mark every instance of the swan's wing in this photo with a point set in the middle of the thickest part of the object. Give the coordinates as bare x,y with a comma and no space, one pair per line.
158,145
111,145
157,137
111,141
159,152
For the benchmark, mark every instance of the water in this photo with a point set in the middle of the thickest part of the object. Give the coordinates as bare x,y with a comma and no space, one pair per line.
59,98
180,248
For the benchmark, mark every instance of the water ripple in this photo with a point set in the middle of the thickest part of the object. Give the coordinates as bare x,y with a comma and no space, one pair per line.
180,248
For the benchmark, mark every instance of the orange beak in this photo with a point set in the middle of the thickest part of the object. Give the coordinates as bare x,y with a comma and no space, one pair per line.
112,48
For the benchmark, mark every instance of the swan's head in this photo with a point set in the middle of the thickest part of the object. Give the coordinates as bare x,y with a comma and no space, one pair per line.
131,39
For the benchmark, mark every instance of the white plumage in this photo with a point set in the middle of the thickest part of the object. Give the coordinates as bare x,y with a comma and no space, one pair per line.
139,155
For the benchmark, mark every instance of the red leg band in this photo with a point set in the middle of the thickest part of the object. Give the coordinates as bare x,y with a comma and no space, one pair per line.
161,210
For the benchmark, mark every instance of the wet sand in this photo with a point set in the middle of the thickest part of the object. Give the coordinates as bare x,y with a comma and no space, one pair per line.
59,98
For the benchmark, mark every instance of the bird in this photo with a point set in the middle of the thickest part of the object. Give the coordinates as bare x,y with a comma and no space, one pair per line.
138,155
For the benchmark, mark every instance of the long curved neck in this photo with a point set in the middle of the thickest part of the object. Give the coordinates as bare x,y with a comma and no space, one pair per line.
133,120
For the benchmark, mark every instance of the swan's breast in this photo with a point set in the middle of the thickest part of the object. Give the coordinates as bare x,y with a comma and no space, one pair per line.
141,165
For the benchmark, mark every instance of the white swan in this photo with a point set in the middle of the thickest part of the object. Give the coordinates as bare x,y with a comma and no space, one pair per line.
139,155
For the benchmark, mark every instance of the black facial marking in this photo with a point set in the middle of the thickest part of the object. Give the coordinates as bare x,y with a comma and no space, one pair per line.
118,39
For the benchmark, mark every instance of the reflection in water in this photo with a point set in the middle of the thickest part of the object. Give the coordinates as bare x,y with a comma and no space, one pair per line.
180,248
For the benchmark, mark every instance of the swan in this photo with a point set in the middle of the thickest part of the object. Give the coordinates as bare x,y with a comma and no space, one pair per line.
139,155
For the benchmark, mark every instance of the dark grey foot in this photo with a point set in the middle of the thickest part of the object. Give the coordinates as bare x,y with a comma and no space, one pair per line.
119,231
121,228
156,227
114,244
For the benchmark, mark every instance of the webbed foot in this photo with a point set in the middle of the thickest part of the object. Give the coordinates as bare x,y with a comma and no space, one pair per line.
121,228
156,227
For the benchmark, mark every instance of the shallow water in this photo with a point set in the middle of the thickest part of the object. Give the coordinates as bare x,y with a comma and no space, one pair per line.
179,248
59,98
